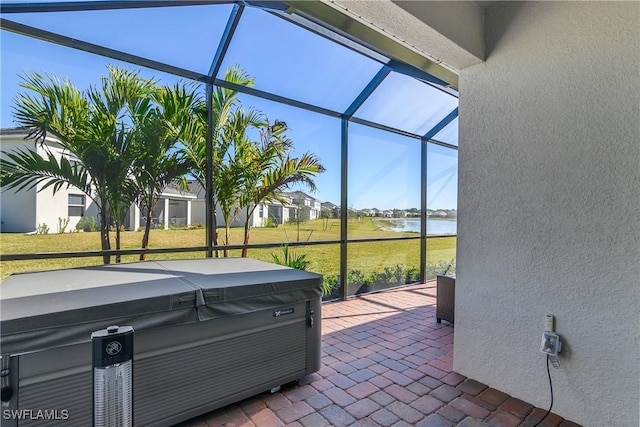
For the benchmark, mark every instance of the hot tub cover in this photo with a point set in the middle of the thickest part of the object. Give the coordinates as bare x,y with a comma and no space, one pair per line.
52,308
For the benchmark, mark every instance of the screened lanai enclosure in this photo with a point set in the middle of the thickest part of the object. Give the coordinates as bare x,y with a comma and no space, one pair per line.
381,120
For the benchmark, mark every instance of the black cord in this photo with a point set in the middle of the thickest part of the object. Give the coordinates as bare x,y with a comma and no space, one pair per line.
551,390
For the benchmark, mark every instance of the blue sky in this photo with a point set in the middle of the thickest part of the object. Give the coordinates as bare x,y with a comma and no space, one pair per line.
284,59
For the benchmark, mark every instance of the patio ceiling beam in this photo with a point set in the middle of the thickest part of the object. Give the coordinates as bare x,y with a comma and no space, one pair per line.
48,36
367,91
229,30
68,6
358,30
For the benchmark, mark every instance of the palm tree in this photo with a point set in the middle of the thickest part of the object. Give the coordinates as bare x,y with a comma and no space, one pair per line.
224,101
160,127
93,127
235,144
269,169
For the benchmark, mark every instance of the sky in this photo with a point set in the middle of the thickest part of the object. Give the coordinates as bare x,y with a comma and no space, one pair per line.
384,168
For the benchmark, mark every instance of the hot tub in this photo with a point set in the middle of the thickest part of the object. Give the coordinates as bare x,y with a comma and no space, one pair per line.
208,333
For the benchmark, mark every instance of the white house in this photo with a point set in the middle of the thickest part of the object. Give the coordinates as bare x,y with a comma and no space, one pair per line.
304,206
24,211
265,214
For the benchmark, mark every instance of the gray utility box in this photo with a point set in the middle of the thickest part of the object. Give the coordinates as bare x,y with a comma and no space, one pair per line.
208,333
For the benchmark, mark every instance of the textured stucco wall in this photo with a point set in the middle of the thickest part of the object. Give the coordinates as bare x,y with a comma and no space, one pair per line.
549,203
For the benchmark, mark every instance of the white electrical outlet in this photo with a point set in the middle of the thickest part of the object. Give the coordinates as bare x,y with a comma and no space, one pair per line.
551,344
548,323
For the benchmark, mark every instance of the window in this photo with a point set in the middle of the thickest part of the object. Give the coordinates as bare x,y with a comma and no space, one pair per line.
76,205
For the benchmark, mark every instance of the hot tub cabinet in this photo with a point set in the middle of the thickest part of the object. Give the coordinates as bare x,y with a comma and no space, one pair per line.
208,333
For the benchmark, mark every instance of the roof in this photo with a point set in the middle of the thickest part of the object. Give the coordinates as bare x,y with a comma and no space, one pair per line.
15,131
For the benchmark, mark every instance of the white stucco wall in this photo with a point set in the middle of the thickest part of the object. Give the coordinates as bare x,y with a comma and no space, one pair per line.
549,202
17,210
25,210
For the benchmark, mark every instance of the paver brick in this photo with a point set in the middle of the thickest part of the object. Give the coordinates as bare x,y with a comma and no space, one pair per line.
365,422
451,413
552,420
502,419
382,398
405,412
297,394
446,393
418,388
314,420
471,387
319,401
398,378
471,422
266,418
453,378
337,416
294,412
362,375
339,396
426,404
516,407
341,381
469,408
362,408
493,396
384,417
401,393
380,381
362,390
276,401
432,371
435,420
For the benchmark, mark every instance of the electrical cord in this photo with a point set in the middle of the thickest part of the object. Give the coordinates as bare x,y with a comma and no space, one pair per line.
551,390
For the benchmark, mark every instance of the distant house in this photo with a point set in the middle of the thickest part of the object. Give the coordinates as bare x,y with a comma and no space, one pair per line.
330,210
304,207
25,210
265,214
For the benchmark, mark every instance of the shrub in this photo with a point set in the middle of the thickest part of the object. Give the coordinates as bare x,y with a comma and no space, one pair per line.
42,228
269,223
291,259
62,224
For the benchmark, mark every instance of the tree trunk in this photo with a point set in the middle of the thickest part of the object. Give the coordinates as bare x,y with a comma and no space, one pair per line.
226,239
145,236
118,240
104,236
245,250
215,229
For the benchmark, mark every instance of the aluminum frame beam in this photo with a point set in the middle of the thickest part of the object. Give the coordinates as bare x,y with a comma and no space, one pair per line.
225,41
441,125
59,39
68,6
367,91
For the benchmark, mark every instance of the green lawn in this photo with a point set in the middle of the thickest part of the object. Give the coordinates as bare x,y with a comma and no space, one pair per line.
325,259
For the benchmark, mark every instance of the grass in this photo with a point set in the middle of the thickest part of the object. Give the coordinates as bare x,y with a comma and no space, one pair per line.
325,259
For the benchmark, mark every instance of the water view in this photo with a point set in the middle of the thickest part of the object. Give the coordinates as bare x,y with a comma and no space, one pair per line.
434,226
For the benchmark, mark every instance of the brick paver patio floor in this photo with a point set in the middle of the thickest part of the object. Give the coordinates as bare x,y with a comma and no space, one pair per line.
385,362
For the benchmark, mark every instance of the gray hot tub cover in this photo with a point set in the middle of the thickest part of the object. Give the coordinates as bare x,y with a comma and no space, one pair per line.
53,308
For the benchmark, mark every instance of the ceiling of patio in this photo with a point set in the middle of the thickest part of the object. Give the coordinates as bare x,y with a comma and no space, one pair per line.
294,60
